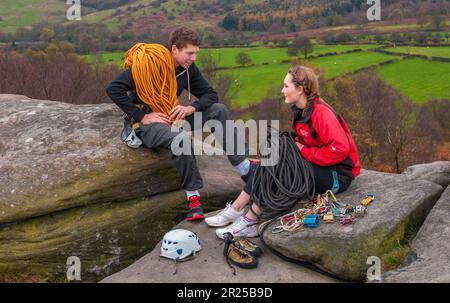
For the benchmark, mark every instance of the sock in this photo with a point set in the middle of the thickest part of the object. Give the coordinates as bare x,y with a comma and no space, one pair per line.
244,167
248,220
190,193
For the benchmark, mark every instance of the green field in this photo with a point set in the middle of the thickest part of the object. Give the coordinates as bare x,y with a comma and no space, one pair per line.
261,55
435,51
17,13
341,64
418,79
255,82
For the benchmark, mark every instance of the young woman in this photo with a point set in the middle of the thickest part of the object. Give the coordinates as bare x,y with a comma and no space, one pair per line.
323,139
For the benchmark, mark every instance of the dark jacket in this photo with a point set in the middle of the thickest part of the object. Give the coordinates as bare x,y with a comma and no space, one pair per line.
190,79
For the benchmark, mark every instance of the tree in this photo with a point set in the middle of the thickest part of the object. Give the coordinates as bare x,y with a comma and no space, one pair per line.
303,45
230,22
292,50
437,22
47,35
243,59
292,27
224,84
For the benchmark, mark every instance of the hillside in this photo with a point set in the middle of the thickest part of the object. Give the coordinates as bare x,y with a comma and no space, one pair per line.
273,17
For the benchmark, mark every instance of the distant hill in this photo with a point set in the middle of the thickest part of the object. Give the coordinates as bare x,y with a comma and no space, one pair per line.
115,24
275,16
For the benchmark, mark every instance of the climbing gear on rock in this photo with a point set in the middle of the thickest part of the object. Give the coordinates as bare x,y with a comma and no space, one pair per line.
369,198
311,221
326,207
276,189
226,216
347,219
195,209
235,253
328,218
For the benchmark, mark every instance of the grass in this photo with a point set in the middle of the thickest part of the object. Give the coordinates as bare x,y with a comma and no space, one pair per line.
111,57
16,13
253,83
341,64
261,55
436,51
418,79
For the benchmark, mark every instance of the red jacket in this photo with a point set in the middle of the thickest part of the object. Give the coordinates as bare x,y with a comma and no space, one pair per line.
328,141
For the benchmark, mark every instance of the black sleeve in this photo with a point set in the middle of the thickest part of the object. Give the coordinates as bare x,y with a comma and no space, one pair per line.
200,88
117,91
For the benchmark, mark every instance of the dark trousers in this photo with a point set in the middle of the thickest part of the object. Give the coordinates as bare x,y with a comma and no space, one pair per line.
323,178
160,135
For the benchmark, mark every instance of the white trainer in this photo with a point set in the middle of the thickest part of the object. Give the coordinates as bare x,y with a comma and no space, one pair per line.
240,227
226,216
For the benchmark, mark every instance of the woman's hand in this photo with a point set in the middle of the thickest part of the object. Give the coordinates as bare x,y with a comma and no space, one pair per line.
299,145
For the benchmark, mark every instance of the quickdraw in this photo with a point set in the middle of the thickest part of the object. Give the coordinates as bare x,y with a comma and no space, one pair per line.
348,219
325,207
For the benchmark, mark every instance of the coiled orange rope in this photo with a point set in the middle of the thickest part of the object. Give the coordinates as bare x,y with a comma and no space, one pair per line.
153,71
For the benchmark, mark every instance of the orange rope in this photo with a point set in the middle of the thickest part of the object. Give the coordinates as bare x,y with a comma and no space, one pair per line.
153,71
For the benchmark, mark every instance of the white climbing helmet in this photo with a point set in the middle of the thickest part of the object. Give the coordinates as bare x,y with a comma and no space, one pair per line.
178,244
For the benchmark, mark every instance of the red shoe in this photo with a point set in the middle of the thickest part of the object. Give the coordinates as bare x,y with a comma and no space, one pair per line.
195,209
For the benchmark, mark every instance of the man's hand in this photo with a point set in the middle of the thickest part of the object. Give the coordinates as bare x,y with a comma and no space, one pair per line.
154,118
179,112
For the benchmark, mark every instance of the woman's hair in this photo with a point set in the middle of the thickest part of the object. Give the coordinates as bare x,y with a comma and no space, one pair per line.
307,78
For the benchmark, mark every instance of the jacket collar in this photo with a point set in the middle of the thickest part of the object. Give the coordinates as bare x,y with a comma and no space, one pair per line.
298,112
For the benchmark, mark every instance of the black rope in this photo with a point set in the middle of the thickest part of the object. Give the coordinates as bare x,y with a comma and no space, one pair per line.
276,189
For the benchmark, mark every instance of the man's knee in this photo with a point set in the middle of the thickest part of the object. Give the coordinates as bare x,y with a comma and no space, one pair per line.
157,135
219,108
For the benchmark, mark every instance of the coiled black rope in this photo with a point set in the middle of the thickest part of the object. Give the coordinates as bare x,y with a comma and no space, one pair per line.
276,189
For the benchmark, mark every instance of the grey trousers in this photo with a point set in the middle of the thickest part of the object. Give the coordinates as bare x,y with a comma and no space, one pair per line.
160,135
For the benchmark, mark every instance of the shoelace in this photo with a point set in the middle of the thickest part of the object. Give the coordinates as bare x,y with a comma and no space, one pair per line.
228,239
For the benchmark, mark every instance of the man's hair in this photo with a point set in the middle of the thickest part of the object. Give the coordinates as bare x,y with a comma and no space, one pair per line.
183,36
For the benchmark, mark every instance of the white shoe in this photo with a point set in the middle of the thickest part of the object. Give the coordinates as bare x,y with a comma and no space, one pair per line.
226,216
240,227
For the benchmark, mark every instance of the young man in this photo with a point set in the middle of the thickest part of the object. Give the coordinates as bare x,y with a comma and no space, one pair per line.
155,130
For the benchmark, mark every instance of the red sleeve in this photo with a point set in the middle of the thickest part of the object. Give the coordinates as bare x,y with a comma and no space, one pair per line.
329,131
